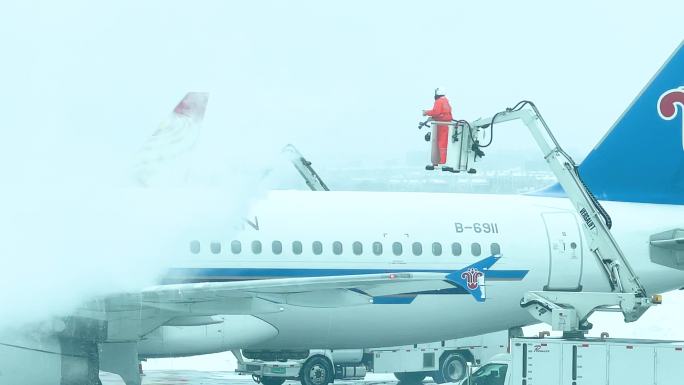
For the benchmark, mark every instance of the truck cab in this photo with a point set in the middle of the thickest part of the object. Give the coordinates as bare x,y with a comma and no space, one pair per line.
495,372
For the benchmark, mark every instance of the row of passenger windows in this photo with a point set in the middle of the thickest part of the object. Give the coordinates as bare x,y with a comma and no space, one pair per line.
337,248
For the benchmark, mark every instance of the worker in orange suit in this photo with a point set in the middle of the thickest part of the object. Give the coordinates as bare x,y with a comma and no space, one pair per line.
441,112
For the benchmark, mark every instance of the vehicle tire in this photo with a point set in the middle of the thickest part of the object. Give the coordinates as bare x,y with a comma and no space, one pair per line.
452,368
272,380
317,370
410,377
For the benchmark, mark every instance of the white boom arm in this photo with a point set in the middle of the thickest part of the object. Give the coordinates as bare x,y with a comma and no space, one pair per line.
304,168
622,278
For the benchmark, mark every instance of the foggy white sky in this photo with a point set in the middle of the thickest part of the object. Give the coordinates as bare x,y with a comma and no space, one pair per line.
84,83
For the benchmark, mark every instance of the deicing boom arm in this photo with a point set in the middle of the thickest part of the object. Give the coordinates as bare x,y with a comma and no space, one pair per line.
596,222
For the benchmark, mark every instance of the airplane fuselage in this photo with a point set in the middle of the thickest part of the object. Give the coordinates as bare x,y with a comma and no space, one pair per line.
541,243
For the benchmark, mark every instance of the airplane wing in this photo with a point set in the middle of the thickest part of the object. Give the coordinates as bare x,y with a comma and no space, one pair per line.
132,315
268,295
372,284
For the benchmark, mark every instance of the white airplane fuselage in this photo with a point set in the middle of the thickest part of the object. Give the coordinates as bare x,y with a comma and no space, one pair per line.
540,240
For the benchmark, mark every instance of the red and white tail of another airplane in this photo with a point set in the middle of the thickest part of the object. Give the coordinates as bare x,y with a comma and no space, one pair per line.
164,157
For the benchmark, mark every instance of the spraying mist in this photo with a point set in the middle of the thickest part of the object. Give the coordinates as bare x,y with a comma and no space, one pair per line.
87,234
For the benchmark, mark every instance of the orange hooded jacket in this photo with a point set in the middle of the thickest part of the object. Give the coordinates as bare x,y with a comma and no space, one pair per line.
441,112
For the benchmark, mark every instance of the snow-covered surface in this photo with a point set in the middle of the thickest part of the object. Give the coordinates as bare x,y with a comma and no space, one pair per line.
195,377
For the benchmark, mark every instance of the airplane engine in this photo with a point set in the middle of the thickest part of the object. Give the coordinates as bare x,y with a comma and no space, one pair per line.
191,336
47,360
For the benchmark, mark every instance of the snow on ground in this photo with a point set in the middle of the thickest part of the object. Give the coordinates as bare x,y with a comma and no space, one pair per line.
195,377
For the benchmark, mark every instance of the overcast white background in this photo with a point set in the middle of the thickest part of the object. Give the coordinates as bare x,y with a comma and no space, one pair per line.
84,83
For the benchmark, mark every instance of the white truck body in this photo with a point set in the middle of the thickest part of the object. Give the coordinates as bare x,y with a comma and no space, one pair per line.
419,359
590,361
425,357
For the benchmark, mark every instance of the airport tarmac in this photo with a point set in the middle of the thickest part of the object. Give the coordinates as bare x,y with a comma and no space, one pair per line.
191,377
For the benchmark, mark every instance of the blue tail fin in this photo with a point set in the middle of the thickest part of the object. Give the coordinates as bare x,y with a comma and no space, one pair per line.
642,157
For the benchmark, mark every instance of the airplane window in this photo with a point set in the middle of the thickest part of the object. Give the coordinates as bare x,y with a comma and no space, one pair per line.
377,248
436,248
357,248
256,247
317,247
417,248
337,247
236,247
195,247
297,247
397,249
277,247
495,249
476,249
456,249
215,247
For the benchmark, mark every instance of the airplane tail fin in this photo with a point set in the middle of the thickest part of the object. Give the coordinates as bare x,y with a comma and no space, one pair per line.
641,159
192,106
162,152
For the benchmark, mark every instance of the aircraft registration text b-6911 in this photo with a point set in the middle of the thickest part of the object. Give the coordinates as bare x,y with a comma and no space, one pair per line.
477,227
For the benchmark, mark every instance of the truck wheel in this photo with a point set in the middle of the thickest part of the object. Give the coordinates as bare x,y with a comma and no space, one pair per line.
410,377
272,380
316,371
452,368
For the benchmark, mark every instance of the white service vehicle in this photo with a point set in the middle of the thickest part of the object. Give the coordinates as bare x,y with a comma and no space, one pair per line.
444,361
311,367
610,361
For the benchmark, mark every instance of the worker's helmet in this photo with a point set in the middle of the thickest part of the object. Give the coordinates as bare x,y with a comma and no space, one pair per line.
440,91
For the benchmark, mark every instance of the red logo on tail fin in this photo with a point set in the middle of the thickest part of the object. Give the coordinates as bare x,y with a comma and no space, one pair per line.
667,105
